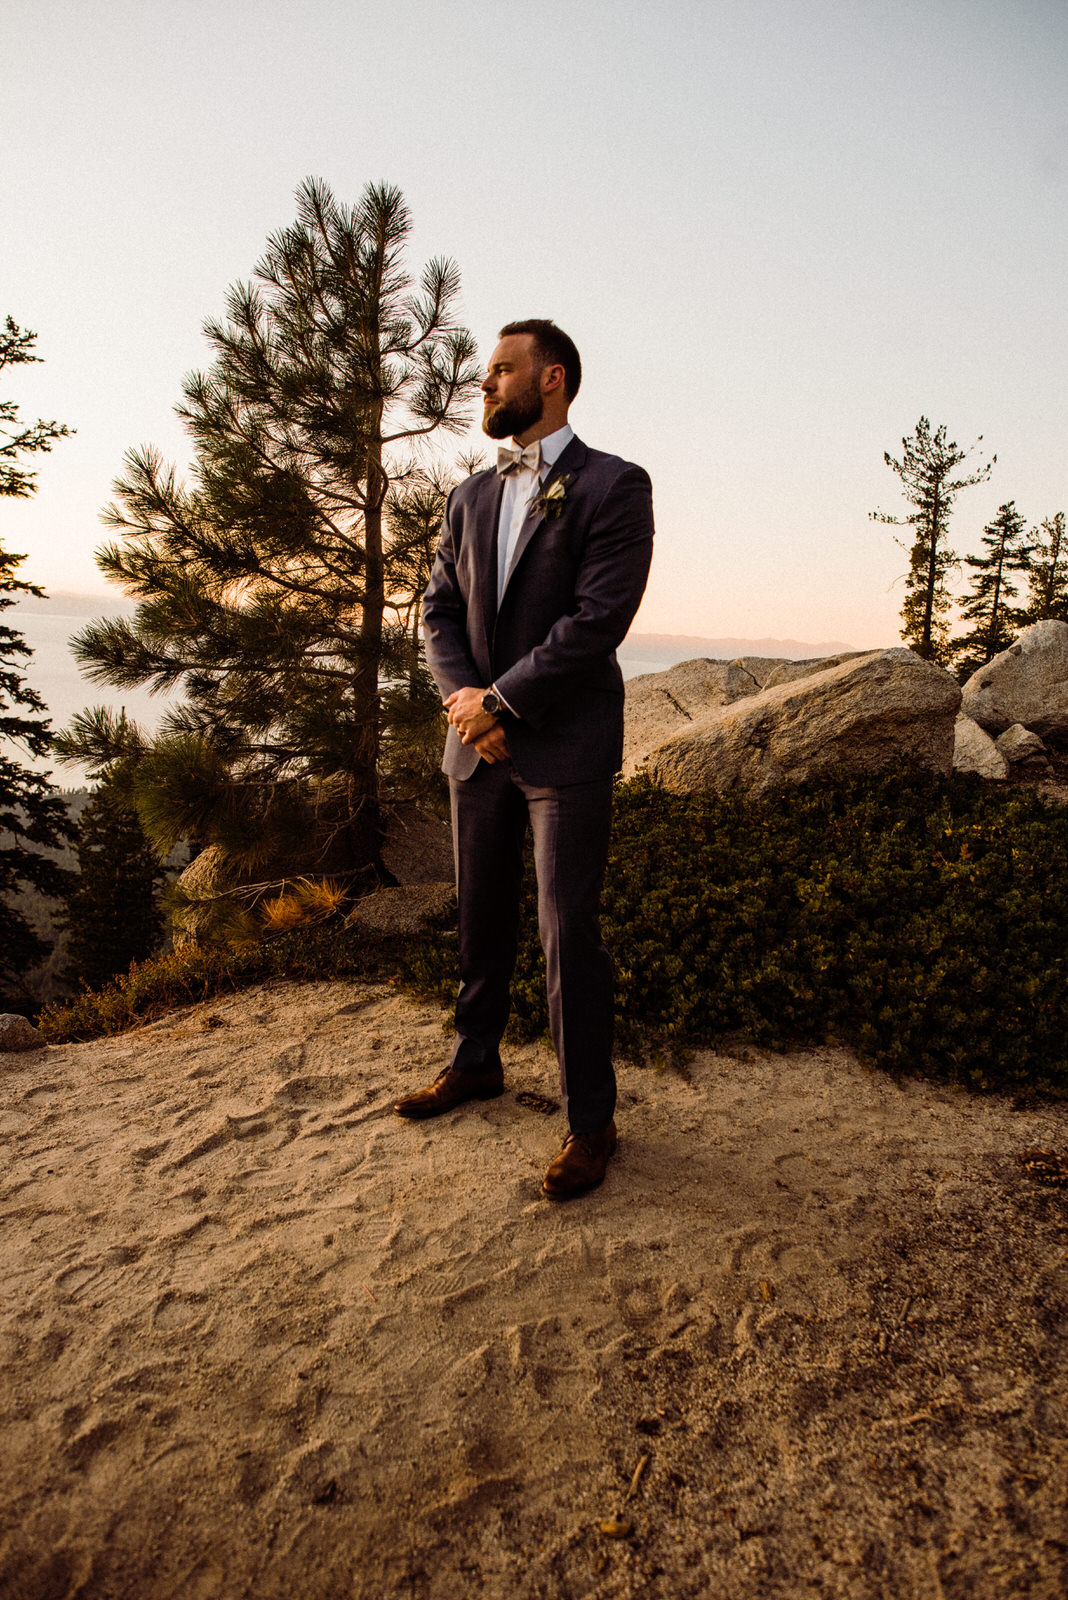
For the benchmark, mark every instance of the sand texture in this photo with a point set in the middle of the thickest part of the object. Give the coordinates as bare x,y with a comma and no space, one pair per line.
261,1338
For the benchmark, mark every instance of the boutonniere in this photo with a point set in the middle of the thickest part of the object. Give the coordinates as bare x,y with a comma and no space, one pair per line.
551,503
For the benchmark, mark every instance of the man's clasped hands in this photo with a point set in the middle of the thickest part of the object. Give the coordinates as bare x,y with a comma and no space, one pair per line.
476,726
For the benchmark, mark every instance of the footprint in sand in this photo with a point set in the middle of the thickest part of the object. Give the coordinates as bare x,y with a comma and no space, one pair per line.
43,1091
176,1310
71,1282
149,1152
291,1059
121,1255
254,1126
310,1091
312,1474
254,1477
84,1446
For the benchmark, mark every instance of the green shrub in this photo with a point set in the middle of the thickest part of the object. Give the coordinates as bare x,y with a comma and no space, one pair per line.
922,920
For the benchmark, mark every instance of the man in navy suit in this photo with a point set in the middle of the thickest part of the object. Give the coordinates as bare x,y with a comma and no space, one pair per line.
542,563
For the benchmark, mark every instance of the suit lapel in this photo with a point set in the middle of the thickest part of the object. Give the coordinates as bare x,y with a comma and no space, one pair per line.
487,522
570,462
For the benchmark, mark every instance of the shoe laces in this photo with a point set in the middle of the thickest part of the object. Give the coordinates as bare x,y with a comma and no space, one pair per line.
584,1140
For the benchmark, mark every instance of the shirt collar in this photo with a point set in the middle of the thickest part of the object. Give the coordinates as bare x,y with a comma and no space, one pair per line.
554,444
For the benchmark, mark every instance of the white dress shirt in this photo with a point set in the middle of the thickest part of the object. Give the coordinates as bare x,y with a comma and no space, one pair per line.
520,488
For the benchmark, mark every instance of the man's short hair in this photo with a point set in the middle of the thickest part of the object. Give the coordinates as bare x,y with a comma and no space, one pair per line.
553,346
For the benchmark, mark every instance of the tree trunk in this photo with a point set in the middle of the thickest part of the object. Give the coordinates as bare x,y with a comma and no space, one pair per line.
992,632
365,826
413,670
926,647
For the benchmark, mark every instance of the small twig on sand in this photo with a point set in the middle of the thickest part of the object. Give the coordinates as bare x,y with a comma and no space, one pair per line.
902,1317
637,1478
904,1422
618,1527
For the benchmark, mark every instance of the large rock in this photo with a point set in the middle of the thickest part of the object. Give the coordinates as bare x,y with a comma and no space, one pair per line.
659,704
199,891
662,703
877,711
418,845
792,671
18,1034
403,911
975,751
1021,746
1026,683
762,667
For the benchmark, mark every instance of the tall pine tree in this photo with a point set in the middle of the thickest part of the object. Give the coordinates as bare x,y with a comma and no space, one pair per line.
264,585
113,910
926,471
1047,579
32,816
988,603
19,439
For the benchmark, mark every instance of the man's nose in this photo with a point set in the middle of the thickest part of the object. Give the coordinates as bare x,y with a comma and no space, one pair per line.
487,383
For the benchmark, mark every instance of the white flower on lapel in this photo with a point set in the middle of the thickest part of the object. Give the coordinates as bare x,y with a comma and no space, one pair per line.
551,503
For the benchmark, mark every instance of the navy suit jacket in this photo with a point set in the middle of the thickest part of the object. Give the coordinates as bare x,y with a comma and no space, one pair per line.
574,584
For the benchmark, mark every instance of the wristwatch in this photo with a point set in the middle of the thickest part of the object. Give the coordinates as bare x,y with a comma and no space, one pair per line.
492,704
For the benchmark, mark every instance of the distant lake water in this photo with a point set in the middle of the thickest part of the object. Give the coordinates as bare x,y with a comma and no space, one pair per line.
53,672
636,659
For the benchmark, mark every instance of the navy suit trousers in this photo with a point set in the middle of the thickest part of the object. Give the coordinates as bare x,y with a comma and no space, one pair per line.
570,826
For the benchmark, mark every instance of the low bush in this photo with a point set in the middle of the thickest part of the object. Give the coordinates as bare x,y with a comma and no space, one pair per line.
193,973
922,920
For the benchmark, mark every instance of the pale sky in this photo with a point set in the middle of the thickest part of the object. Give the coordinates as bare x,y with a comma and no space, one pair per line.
778,230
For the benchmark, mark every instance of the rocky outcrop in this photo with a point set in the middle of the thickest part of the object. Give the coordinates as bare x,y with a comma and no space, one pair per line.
418,845
662,703
975,751
16,1034
791,671
1020,747
1027,683
402,911
869,713
761,668
198,892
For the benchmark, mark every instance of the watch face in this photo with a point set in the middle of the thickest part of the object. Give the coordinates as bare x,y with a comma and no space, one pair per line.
491,703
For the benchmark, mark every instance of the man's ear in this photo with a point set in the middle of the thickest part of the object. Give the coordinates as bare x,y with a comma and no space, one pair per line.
552,378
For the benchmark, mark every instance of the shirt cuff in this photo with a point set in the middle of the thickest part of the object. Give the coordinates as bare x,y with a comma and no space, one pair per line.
503,701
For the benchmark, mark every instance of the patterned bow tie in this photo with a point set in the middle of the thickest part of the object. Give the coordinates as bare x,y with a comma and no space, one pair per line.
509,460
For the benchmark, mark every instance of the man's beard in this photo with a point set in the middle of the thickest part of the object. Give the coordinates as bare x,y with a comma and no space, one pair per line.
515,416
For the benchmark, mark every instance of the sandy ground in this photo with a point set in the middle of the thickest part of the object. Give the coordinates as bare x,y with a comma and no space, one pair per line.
261,1338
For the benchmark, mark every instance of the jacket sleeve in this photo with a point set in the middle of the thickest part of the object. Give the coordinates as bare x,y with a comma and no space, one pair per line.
448,654
608,590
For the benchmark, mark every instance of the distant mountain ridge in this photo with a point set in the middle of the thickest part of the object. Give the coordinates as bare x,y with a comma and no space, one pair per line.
64,603
718,649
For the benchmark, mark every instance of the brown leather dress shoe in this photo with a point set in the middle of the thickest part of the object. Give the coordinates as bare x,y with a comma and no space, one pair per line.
451,1088
581,1164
